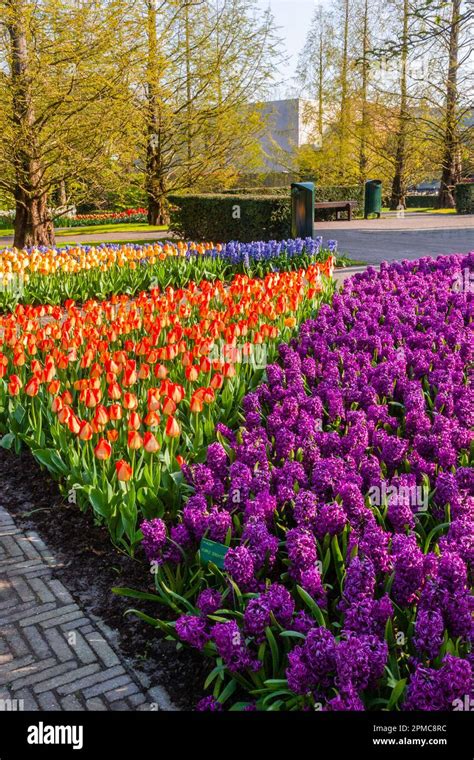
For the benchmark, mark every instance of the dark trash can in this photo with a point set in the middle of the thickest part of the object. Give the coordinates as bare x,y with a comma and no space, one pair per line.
373,197
302,209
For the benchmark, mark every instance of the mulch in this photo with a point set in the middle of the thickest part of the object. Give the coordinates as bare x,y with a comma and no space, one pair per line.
89,566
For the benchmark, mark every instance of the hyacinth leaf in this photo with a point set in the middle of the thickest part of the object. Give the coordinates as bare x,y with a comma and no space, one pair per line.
274,694
338,560
217,672
133,594
155,622
292,635
179,598
326,562
438,529
397,693
275,707
227,692
312,606
274,651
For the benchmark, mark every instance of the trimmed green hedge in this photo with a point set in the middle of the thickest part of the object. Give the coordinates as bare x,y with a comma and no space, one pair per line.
465,198
420,201
223,217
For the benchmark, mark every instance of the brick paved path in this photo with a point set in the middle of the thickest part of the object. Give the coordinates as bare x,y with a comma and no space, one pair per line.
53,656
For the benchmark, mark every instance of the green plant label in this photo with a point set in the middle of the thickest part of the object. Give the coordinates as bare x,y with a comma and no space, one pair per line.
211,551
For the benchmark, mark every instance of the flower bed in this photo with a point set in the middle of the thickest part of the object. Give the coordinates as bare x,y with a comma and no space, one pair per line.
130,215
112,397
52,276
341,512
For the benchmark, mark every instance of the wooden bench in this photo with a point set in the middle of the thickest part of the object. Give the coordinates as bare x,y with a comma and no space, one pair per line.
338,206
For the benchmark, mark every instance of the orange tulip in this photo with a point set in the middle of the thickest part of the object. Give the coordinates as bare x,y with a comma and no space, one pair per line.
64,414
169,406
114,391
101,417
14,385
85,433
32,387
134,421
103,450
123,470
217,380
152,419
135,441
57,404
115,412
192,373
53,387
173,429
160,371
150,444
74,424
196,404
130,401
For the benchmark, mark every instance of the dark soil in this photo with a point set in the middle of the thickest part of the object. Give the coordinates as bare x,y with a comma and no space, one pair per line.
89,566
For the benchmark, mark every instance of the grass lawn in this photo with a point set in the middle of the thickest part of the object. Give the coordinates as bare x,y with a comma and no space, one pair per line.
97,229
426,210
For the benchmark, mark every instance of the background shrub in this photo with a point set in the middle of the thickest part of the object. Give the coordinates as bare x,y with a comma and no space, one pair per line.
465,198
223,217
420,201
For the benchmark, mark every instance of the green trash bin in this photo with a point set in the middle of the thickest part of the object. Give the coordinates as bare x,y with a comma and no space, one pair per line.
373,197
302,209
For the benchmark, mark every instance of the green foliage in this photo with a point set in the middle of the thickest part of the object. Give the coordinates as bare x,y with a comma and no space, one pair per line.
465,198
420,201
223,217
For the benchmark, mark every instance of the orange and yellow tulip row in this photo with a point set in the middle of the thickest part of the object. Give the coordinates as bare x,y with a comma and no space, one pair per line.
115,396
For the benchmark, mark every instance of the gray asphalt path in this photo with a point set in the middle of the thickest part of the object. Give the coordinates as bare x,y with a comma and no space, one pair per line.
390,245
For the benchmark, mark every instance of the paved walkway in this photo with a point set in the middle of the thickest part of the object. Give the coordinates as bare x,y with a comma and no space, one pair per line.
375,247
53,656
410,222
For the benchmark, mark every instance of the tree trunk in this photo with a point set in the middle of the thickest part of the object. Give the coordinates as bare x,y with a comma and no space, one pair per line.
363,160
155,175
451,172
62,194
321,76
399,180
343,119
33,224
189,114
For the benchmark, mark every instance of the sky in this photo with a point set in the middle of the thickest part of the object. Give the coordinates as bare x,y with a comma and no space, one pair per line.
293,17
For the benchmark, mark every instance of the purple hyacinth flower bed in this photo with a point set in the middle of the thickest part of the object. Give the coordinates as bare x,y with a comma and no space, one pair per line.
345,506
